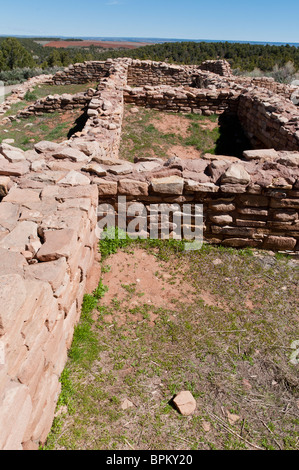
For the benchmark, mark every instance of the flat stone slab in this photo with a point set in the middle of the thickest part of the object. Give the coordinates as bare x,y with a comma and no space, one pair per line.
95,168
9,215
168,185
20,196
236,173
185,403
132,188
124,169
52,272
12,263
45,146
263,154
14,169
194,186
74,178
18,238
58,244
70,153
12,154
10,304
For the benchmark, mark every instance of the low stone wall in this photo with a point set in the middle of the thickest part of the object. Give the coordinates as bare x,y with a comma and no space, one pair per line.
18,93
60,103
269,83
268,120
159,73
183,99
105,113
47,247
220,67
253,203
140,72
88,71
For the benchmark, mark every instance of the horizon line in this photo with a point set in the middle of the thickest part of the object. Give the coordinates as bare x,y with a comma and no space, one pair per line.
144,39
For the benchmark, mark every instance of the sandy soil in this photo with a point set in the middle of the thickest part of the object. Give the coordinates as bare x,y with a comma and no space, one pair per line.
145,278
185,153
172,124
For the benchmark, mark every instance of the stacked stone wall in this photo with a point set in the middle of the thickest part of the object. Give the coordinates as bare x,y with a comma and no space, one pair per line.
220,67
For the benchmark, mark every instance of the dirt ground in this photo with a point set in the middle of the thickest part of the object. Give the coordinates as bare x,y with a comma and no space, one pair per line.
219,323
152,133
179,124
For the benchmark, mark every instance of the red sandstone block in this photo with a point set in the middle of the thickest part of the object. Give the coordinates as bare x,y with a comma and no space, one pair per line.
30,445
4,377
15,353
86,260
284,203
58,244
76,192
132,188
54,348
19,196
11,304
52,272
279,243
44,403
32,368
250,223
285,216
74,259
43,309
254,201
237,231
71,320
69,294
15,412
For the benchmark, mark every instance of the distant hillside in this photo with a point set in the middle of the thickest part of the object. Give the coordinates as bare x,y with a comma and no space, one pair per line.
241,56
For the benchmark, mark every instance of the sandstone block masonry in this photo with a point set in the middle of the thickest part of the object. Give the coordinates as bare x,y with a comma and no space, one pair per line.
48,214
18,93
60,103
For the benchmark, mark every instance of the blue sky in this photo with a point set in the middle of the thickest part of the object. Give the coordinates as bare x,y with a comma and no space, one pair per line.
250,20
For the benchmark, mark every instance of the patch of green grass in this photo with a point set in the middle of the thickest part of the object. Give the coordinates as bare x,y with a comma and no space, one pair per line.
208,342
41,91
204,140
112,239
15,108
51,127
30,96
141,138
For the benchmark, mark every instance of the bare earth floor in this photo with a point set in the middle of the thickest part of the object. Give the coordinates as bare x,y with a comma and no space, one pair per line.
152,133
220,323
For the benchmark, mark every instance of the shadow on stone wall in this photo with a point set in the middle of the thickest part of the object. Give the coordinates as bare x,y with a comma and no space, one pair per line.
79,125
232,140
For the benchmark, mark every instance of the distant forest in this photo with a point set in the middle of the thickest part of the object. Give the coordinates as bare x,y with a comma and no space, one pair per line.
25,53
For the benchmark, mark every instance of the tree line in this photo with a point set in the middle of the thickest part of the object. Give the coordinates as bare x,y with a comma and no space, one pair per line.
28,53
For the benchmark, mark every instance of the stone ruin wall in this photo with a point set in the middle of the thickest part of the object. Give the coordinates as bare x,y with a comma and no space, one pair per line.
48,218
220,67
59,103
160,73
